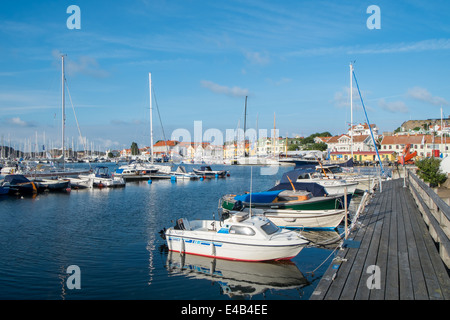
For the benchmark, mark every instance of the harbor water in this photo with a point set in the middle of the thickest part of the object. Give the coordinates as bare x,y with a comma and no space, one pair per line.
112,236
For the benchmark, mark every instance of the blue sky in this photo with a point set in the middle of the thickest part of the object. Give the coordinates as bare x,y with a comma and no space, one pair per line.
291,58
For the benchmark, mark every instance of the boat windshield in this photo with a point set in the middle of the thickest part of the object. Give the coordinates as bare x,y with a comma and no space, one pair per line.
269,228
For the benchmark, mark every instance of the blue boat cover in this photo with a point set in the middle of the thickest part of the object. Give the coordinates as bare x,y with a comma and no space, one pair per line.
294,174
316,189
259,197
14,179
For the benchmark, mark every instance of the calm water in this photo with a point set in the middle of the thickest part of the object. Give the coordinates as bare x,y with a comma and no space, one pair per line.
112,236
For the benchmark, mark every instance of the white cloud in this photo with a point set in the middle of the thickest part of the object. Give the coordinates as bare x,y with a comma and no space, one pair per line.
394,107
257,57
17,122
381,48
86,65
422,94
341,98
229,91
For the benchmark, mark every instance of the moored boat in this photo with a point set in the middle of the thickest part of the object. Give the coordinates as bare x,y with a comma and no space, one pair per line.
302,219
80,183
52,185
182,174
102,178
206,171
241,237
296,196
332,185
19,184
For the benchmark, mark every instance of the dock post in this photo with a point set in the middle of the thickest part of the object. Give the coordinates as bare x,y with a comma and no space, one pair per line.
345,206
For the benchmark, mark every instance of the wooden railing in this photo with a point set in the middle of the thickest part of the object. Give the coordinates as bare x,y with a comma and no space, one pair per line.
435,212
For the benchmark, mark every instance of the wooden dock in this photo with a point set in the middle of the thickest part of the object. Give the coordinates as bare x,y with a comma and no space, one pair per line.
390,255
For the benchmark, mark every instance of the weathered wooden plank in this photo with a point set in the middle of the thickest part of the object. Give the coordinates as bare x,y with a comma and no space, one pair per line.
333,280
417,278
382,255
394,237
392,290
356,272
434,291
405,279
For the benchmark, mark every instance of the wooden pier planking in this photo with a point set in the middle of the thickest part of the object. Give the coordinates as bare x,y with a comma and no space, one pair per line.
393,236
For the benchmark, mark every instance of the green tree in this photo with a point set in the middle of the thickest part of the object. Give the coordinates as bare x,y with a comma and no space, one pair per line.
429,171
134,149
317,146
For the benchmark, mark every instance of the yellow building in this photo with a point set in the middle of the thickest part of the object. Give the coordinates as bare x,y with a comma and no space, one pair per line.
364,156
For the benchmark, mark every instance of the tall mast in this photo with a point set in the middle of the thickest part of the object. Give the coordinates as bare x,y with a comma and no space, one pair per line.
151,116
351,109
245,125
63,111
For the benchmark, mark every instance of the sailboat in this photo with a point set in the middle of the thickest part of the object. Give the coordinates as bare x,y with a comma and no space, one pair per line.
140,169
55,172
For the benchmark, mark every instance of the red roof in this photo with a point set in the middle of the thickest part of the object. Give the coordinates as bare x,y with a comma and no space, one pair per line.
169,143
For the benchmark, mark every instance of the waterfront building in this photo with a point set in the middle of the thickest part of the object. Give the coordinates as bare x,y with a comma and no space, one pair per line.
363,156
426,145
271,147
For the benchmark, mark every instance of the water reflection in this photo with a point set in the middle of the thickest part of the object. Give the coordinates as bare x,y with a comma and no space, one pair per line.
236,278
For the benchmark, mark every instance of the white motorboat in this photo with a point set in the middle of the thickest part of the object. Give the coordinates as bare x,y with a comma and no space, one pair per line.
102,178
332,185
80,183
181,174
207,172
241,237
304,219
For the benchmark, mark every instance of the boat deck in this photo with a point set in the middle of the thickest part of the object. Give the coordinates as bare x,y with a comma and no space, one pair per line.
394,238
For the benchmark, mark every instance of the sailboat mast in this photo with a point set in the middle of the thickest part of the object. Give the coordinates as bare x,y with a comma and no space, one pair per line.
351,109
151,117
63,109
245,125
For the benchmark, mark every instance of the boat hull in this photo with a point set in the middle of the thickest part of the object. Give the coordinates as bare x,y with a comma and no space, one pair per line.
309,219
203,244
316,203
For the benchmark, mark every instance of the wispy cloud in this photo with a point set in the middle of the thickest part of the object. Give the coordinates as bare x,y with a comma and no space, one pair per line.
394,106
85,65
423,95
261,58
229,91
341,98
380,48
17,122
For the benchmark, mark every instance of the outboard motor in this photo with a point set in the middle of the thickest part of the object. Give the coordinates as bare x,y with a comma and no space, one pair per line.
162,233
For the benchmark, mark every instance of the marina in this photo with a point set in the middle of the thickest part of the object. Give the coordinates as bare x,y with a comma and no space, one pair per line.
127,241
112,234
259,173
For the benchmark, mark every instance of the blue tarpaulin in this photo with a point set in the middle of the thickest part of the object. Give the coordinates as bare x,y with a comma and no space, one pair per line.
259,197
316,189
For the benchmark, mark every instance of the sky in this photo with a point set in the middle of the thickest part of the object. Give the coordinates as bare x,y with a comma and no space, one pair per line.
290,58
